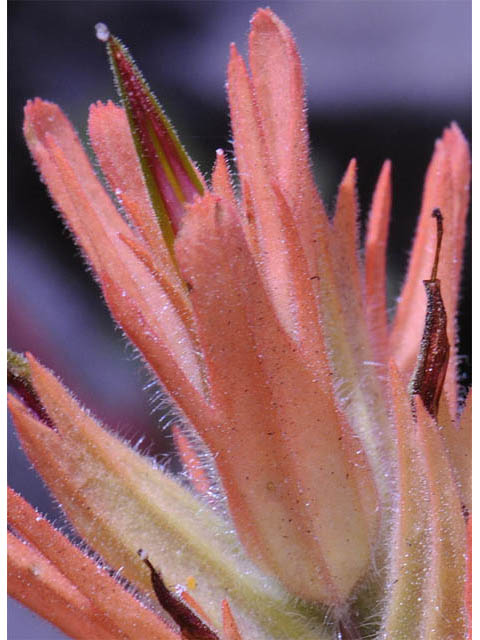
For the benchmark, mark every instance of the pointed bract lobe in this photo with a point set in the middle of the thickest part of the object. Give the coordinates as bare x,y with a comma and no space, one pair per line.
192,603
278,91
278,87
230,628
221,180
300,443
345,226
191,461
376,263
45,124
348,270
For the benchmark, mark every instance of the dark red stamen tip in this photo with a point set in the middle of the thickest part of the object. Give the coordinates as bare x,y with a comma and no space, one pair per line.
191,625
439,218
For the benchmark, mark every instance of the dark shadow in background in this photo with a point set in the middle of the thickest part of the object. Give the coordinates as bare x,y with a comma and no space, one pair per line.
383,80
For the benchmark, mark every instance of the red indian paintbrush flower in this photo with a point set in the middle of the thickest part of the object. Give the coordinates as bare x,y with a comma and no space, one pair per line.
332,435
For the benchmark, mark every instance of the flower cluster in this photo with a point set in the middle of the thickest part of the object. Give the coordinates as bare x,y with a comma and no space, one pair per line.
330,489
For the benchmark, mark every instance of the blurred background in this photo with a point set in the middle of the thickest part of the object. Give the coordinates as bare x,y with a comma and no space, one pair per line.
383,80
